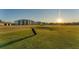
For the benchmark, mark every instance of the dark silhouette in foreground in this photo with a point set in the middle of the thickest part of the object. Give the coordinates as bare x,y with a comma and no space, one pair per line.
20,39
34,32
17,40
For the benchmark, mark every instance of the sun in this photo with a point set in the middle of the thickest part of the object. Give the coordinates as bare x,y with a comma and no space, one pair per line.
59,20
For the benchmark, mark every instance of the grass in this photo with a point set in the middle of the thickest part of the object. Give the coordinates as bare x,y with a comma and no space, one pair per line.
57,37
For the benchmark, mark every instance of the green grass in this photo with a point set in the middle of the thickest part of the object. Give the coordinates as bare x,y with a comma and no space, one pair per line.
57,37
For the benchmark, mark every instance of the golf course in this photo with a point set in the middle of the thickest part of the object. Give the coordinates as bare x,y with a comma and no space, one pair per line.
48,37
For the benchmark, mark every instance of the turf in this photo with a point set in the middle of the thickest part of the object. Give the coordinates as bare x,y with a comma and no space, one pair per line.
48,37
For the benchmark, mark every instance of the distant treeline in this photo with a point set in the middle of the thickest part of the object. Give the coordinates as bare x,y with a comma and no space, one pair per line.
31,22
73,23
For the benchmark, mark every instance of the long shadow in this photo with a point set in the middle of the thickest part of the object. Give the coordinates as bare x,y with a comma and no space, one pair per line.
17,40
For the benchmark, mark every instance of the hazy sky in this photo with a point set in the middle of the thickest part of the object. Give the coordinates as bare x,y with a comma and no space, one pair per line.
49,15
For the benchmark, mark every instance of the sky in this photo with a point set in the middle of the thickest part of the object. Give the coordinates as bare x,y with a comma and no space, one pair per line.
45,15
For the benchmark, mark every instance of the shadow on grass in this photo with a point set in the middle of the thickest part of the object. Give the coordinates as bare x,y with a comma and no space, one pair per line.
15,41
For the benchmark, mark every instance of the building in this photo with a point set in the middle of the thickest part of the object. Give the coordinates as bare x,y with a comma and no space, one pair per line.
24,22
5,23
8,24
28,22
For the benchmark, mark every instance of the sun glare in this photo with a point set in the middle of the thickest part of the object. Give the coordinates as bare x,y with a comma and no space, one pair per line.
59,20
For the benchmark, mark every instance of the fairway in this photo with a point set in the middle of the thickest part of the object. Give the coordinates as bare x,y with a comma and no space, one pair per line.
48,36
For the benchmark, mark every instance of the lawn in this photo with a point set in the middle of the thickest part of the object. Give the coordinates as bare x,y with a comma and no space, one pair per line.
53,36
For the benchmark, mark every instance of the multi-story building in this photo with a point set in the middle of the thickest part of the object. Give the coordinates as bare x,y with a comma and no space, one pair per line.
24,22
